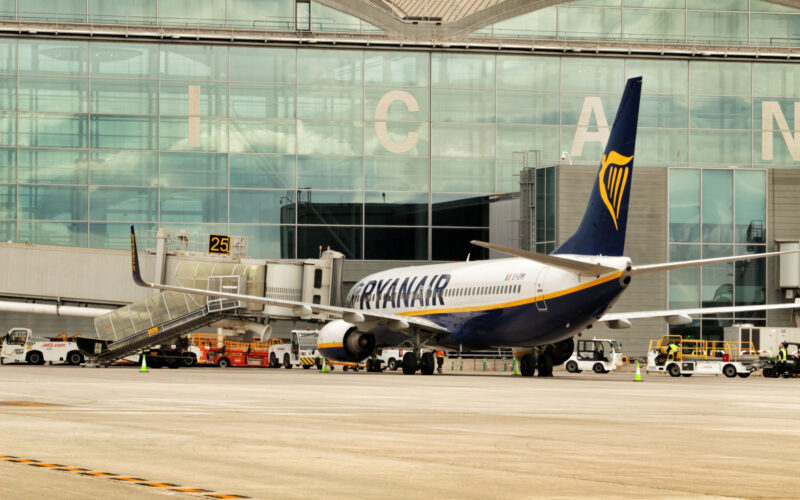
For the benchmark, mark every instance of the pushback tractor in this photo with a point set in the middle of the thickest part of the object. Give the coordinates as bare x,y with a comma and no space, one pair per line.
709,357
20,346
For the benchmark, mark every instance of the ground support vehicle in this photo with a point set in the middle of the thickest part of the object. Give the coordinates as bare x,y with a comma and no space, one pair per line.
711,357
772,369
300,351
230,352
391,359
20,346
176,355
598,355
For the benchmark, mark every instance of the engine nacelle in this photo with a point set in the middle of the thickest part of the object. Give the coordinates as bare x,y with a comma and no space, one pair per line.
562,351
341,341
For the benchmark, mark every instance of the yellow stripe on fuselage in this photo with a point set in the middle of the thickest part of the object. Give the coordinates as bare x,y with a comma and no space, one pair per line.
330,345
515,303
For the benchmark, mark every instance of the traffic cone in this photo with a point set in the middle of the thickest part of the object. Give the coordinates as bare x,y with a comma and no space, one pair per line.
516,367
638,376
324,365
143,369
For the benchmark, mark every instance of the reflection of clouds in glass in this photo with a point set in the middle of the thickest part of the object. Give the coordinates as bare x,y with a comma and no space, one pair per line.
329,137
256,139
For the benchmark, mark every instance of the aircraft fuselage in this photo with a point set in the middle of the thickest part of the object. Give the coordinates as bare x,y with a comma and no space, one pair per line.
511,302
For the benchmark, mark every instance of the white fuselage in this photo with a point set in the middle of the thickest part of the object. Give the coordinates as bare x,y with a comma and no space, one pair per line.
503,295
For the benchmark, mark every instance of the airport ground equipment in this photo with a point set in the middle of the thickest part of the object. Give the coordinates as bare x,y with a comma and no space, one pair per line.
162,317
300,351
598,355
771,368
224,353
710,357
20,346
765,339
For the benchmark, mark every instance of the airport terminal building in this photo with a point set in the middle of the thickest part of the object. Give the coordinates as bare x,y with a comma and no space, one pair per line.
394,131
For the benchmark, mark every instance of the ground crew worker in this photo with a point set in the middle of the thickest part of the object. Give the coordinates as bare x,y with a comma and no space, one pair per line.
781,366
439,360
673,350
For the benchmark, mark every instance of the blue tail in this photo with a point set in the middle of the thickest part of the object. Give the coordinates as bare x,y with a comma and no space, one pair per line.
602,230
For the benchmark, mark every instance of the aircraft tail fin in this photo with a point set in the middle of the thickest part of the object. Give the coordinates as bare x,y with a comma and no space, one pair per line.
602,230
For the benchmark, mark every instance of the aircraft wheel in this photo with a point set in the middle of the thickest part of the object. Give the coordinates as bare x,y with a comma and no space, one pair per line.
526,365
598,368
428,364
572,366
409,363
546,363
729,371
674,370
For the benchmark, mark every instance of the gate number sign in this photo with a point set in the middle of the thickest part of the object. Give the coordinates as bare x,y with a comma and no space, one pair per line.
219,243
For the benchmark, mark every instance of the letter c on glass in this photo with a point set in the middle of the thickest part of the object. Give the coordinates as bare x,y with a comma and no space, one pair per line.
381,112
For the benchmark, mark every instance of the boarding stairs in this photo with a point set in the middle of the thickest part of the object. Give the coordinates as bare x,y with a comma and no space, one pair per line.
158,319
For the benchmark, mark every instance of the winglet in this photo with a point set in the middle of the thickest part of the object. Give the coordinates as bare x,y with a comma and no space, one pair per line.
137,277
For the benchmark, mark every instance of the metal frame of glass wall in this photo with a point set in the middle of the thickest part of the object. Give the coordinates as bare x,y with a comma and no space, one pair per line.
401,147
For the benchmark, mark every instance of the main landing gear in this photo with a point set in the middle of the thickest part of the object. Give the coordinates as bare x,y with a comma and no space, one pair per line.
412,362
541,361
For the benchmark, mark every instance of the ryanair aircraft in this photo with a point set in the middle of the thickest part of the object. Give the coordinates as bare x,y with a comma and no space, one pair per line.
533,303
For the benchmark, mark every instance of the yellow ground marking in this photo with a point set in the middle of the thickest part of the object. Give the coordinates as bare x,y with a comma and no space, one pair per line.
116,477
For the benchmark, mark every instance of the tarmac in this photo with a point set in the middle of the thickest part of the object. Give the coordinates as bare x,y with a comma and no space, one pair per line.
72,432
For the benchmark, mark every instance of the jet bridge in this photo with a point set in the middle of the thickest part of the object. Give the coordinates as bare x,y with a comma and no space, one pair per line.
165,315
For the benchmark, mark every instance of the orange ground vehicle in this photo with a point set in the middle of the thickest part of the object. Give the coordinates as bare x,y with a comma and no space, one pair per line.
231,352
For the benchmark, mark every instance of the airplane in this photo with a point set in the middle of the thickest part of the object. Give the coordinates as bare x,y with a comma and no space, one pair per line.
533,303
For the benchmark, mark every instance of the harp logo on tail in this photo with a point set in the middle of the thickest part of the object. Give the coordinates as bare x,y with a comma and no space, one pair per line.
612,182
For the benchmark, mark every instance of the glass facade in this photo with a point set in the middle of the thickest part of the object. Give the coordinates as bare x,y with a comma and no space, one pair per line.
716,213
357,149
240,14
728,22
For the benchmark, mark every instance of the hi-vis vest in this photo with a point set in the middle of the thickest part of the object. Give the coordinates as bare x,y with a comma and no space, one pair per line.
782,354
673,349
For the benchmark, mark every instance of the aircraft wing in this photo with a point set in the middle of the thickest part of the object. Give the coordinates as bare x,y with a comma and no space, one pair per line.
572,265
682,316
394,322
653,268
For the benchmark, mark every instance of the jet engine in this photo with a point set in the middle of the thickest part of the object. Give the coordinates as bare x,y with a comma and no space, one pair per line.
341,341
561,351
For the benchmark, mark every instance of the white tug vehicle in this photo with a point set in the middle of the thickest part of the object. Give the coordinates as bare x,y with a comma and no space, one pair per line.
598,355
20,346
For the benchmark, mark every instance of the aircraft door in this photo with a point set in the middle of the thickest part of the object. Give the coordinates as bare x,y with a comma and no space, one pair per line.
541,305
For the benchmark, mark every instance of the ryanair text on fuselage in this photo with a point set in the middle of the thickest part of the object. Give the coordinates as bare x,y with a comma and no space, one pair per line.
392,292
